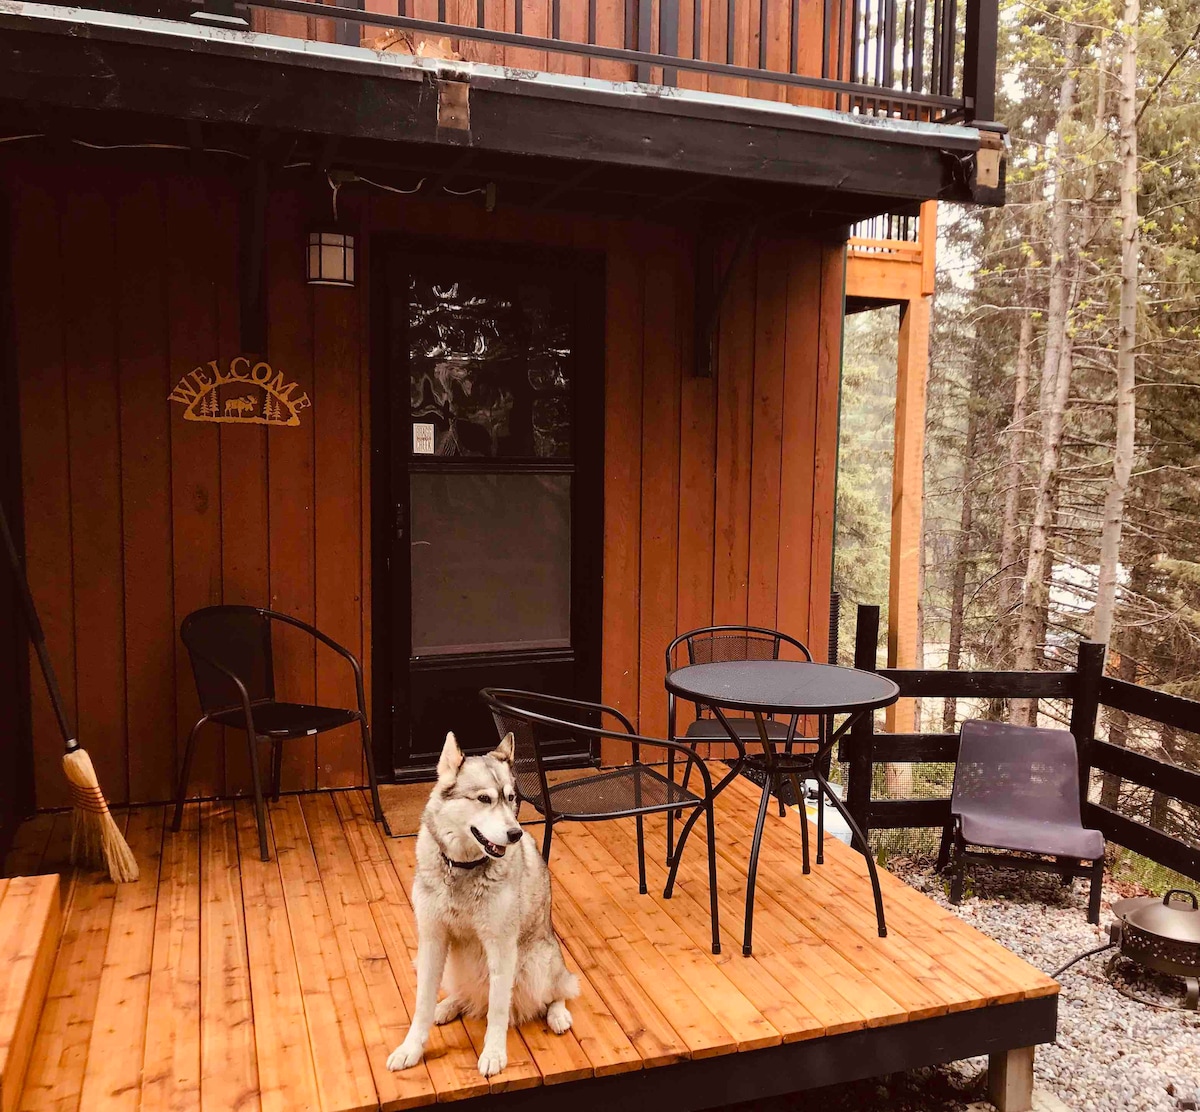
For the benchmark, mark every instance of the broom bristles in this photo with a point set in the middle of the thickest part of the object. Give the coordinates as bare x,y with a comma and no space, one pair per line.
95,838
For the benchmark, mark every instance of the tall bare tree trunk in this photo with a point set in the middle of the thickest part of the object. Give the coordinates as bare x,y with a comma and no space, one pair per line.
1055,389
1009,532
1124,438
962,544
1118,722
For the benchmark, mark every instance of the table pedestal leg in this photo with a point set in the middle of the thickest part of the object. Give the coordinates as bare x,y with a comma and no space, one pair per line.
866,849
798,791
752,868
820,828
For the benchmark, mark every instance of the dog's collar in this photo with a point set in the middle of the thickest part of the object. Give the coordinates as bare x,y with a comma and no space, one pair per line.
465,864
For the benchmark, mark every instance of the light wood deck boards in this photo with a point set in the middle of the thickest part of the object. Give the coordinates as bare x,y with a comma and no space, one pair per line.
30,929
221,981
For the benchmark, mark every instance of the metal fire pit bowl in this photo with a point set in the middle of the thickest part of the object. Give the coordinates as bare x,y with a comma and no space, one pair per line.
1163,935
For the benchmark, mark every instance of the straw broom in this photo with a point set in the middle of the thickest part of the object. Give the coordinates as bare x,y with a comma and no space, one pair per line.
95,837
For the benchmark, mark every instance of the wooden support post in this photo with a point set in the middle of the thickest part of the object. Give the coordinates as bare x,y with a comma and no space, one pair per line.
858,770
927,233
907,487
1010,1079
1085,706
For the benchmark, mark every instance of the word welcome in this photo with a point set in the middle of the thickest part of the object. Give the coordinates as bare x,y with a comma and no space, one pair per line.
200,392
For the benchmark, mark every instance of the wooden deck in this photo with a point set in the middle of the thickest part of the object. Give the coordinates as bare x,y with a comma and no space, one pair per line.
220,982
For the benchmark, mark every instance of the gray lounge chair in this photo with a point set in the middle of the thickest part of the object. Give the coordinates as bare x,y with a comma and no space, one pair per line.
1016,789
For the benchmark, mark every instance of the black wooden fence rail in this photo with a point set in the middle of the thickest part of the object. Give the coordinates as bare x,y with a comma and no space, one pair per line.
1087,689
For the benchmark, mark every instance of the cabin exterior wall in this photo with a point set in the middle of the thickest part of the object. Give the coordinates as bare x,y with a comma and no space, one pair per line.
763,36
718,492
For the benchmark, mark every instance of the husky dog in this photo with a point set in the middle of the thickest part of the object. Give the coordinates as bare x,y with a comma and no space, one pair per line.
481,895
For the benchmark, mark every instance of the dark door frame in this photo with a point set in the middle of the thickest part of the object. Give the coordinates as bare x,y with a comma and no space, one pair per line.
386,655
17,799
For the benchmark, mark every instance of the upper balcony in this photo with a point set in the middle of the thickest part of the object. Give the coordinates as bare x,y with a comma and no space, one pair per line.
834,108
897,59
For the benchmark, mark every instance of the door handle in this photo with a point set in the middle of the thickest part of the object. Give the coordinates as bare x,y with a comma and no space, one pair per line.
401,520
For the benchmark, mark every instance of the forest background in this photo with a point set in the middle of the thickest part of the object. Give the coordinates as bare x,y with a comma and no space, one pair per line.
1062,469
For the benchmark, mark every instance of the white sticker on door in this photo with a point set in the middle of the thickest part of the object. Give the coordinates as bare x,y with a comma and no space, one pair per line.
422,439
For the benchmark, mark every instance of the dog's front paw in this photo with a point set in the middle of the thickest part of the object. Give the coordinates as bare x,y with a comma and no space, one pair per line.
558,1018
447,1011
493,1060
407,1054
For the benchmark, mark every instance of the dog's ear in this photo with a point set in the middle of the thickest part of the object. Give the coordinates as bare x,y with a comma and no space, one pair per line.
506,749
451,759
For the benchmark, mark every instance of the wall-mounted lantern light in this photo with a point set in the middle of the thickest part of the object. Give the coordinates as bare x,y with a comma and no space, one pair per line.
330,259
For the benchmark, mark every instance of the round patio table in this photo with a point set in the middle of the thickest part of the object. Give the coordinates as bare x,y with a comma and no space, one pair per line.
795,688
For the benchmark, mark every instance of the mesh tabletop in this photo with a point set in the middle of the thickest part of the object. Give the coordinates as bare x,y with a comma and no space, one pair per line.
782,686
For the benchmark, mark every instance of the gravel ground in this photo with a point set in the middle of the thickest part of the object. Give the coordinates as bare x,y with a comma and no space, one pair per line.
1113,1054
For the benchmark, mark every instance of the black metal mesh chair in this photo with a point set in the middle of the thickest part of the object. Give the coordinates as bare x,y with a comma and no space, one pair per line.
1016,790
733,642
233,665
632,790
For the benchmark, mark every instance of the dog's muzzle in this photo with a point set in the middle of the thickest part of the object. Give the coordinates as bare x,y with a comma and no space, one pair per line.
491,848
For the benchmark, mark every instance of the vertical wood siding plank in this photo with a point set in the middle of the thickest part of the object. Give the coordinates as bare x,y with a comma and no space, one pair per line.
498,15
610,31
94,446
536,22
40,328
799,437
335,416
660,479
622,476
244,481
195,457
829,375
573,27
697,468
290,463
692,79
767,432
809,46
697,479
145,382
771,40
735,359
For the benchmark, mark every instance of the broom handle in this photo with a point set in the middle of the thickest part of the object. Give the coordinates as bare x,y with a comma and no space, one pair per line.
37,636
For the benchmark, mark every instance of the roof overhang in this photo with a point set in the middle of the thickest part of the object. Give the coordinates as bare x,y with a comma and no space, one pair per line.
785,157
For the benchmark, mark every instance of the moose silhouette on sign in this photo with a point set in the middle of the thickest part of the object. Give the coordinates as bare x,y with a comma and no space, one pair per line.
241,406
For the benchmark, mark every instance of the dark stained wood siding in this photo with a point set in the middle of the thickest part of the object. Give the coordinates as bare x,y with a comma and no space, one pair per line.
718,491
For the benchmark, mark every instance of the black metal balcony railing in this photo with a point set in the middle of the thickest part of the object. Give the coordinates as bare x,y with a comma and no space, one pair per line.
911,59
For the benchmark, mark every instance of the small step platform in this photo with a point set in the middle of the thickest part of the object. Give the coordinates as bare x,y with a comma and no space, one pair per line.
30,930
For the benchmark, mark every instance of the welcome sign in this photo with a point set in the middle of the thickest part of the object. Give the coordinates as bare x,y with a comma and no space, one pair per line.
244,392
